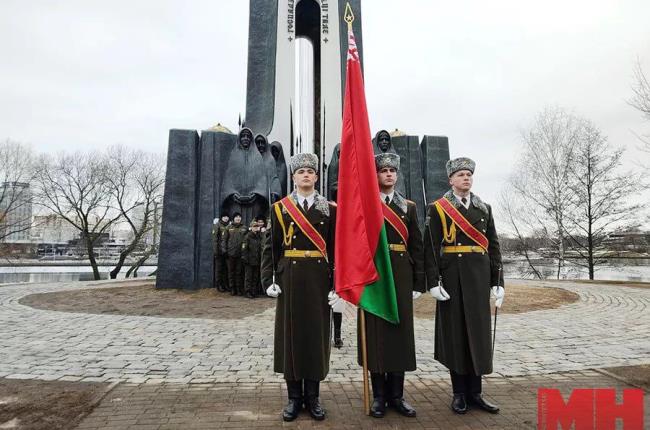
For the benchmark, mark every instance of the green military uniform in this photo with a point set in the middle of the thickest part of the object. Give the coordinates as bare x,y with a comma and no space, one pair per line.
468,271
220,265
391,347
251,256
302,319
232,244
463,326
301,343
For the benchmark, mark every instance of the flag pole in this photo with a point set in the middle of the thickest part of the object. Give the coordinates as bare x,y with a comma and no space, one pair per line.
364,360
348,16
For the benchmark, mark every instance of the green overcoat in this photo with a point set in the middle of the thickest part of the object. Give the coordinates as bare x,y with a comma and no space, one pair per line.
463,340
302,317
391,347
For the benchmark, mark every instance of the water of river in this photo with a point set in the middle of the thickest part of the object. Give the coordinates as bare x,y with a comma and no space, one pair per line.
616,269
10,275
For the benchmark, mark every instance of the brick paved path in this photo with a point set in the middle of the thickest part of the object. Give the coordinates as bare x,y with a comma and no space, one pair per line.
608,326
246,406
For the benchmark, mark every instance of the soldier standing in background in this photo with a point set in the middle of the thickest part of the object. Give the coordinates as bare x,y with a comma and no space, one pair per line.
251,256
233,240
220,266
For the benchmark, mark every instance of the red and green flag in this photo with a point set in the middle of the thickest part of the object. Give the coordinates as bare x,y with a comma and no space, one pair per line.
363,274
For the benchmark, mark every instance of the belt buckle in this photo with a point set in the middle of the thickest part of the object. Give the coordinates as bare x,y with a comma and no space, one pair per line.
307,253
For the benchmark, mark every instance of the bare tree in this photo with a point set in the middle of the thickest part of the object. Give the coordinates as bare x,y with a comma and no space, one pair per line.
601,195
541,178
75,187
522,227
152,248
136,182
641,95
16,174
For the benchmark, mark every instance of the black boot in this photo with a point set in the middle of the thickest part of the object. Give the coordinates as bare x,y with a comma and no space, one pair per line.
396,399
478,400
291,411
312,402
459,404
378,408
338,318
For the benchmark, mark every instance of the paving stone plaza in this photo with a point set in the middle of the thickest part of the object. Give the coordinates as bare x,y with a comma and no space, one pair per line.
226,365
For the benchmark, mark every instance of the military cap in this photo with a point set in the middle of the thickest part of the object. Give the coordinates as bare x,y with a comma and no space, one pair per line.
304,160
387,159
461,163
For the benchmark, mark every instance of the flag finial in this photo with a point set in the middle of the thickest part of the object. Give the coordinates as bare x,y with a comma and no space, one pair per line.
348,16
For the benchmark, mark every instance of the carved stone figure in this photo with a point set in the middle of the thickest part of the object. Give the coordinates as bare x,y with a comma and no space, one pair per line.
271,168
244,187
333,174
280,164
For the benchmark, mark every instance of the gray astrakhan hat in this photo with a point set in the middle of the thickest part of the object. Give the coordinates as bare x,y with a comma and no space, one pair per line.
461,163
304,160
387,159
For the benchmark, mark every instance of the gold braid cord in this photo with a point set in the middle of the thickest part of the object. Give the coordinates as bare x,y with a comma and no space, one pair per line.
286,236
449,236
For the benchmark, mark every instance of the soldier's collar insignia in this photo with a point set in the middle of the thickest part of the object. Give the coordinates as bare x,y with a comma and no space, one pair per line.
320,203
400,201
474,201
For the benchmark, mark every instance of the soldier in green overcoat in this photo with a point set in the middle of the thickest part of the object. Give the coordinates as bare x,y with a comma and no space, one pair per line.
231,246
391,347
251,255
463,265
220,258
297,269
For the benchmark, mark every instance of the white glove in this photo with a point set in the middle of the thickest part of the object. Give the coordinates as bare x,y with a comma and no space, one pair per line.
273,290
499,293
416,295
333,298
439,293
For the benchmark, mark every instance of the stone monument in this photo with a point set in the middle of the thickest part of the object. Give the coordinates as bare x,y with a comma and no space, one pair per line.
297,52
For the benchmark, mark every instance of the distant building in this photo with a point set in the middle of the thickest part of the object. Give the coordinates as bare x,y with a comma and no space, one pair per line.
15,212
633,240
52,234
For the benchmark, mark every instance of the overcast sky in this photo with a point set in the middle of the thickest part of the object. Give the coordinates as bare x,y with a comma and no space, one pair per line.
89,74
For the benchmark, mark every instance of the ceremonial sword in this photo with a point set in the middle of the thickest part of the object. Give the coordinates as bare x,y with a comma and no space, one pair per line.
496,312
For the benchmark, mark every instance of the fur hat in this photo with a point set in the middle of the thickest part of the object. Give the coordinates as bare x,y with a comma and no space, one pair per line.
461,163
387,159
304,160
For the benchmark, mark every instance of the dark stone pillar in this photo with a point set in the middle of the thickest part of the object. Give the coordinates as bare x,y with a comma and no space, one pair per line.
410,175
214,150
435,154
260,86
416,189
176,258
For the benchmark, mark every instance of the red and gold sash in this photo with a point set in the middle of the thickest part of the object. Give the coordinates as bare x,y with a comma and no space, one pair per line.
303,223
396,222
462,223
